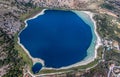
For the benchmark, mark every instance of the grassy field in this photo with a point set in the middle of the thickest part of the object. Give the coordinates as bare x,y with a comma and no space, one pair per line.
83,67
22,53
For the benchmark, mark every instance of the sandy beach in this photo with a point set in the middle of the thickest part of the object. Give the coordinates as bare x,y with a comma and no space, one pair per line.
83,62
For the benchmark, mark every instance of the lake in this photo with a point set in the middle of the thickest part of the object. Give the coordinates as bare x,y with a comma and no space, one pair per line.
36,67
60,38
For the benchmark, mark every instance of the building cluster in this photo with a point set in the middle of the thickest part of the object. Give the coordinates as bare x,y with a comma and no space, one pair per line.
116,71
111,44
27,75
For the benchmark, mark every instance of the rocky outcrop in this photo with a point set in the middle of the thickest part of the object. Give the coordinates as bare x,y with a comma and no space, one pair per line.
63,4
9,23
8,20
113,6
10,12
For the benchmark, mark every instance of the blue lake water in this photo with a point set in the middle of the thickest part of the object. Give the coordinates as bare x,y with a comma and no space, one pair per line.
36,67
60,38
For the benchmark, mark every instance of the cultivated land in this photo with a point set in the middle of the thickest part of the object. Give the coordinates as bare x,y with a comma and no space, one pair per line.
14,62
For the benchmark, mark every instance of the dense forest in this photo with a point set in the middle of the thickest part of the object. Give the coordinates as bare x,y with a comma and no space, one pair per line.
9,57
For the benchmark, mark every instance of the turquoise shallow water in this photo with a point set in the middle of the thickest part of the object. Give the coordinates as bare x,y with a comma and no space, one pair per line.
60,38
87,20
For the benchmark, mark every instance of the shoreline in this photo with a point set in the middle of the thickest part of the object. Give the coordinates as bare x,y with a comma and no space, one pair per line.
83,62
98,41
34,60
